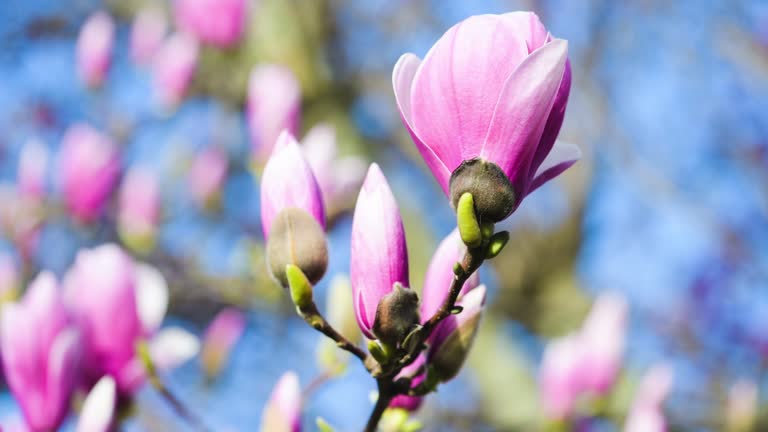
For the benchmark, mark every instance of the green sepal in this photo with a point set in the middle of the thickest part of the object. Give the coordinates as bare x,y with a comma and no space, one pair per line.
469,227
301,288
381,352
496,244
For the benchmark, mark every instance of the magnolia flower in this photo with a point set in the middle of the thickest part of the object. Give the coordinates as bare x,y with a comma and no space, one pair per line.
147,33
139,211
559,376
89,168
450,342
484,108
207,175
283,410
94,48
220,338
439,276
119,303
379,257
288,182
273,105
339,178
603,335
33,165
216,22
40,353
173,69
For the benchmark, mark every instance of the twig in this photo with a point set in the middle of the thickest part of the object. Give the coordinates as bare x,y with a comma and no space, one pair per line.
312,316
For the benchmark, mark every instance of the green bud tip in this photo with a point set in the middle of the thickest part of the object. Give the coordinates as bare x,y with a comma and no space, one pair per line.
301,288
487,229
469,228
497,243
378,352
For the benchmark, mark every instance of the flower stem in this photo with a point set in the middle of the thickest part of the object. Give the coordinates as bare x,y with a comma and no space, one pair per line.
312,316
382,402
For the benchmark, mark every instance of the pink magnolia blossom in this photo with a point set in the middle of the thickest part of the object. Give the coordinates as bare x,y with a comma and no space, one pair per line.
439,276
147,33
207,174
173,68
288,182
94,48
494,87
139,211
283,410
220,338
40,353
216,22
89,168
604,333
559,376
339,177
104,292
33,166
379,257
273,105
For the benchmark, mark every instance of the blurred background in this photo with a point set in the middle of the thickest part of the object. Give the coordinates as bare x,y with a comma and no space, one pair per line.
668,207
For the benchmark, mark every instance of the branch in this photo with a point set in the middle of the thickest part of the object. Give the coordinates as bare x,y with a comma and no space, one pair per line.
312,316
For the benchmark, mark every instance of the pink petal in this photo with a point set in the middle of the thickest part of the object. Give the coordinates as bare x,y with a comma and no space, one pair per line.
288,181
520,116
457,87
555,120
402,82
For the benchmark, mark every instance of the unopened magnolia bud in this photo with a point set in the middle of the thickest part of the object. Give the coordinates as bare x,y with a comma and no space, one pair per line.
396,315
494,196
296,238
452,339
496,244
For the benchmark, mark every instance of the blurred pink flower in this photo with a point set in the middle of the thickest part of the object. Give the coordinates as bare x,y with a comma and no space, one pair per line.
283,410
216,22
273,105
220,338
94,48
439,275
89,168
603,335
288,182
174,68
379,256
559,376
139,211
33,166
339,178
104,290
494,87
647,411
147,33
40,353
20,220
411,403
207,174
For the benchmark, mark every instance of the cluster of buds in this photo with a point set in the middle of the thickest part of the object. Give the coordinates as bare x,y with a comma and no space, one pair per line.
87,333
486,126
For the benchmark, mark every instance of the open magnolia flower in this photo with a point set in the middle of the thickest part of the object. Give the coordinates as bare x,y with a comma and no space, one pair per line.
484,107
118,303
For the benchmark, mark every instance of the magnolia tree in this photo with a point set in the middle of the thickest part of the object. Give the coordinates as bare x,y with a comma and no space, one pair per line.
484,109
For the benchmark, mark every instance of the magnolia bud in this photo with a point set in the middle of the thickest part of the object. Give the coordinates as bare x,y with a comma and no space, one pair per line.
396,315
494,196
452,340
297,238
